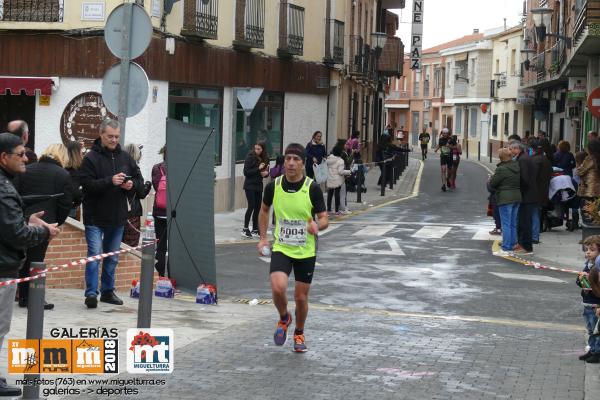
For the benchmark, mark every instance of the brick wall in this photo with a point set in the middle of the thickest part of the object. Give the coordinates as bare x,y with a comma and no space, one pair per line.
71,245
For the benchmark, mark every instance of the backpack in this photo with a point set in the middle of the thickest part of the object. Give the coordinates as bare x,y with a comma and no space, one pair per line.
161,191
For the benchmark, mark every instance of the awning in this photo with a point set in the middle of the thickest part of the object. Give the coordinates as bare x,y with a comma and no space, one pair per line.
28,84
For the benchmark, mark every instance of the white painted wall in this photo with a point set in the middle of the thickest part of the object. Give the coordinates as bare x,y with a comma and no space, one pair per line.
303,115
147,127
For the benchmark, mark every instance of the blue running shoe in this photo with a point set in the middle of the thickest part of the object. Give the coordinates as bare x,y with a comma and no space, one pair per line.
281,331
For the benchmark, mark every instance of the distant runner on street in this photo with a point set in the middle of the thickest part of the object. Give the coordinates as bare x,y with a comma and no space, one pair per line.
424,139
295,199
446,162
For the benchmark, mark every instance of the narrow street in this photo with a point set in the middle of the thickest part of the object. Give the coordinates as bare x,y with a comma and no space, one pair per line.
407,303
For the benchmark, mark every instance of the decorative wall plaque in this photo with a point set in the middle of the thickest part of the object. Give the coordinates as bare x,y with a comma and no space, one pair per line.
81,119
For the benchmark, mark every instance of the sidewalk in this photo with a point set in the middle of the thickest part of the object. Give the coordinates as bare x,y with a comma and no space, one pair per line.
228,225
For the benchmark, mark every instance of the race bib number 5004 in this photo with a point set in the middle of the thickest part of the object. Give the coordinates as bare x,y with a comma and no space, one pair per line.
292,232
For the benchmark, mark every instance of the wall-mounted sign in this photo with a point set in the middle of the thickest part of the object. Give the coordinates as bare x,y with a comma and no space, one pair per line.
44,100
80,121
593,102
416,37
526,96
92,11
577,88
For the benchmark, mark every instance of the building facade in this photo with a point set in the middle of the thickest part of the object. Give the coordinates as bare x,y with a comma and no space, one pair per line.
297,56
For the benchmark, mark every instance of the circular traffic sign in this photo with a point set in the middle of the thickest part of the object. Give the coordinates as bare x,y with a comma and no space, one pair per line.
593,102
140,31
137,91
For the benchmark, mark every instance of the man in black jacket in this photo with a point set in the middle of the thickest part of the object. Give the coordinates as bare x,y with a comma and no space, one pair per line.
16,235
107,174
529,197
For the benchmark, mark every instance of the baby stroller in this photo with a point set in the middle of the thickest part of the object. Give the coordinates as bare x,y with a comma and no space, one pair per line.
352,181
561,194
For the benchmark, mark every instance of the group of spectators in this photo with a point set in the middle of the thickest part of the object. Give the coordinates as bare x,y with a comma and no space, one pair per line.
537,186
37,195
336,171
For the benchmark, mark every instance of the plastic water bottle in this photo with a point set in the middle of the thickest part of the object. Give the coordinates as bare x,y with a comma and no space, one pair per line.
149,227
266,251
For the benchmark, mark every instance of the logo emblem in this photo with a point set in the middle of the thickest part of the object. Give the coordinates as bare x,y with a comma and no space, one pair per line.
150,351
55,356
23,356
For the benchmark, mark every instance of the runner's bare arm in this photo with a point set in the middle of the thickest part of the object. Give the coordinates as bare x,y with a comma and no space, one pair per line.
322,220
263,224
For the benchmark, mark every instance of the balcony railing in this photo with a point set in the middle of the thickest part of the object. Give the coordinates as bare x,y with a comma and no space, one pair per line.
398,95
540,66
201,18
586,14
391,60
291,30
337,54
355,63
249,24
32,10
460,89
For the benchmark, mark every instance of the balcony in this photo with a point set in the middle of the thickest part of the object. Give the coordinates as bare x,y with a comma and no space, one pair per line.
586,14
32,10
201,19
291,30
334,46
249,24
540,66
391,61
355,66
461,89
397,95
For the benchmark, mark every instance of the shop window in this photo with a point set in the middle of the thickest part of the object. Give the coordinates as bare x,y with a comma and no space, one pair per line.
199,106
264,124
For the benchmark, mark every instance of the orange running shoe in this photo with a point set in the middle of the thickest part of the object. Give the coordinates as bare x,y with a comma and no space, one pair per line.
299,344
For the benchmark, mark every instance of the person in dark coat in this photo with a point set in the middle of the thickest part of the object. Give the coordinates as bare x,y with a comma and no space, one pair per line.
543,184
20,128
256,168
45,177
160,217
564,159
131,233
16,234
74,162
315,153
529,172
107,175
506,183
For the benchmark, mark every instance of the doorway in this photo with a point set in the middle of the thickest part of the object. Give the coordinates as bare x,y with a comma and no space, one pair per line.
18,107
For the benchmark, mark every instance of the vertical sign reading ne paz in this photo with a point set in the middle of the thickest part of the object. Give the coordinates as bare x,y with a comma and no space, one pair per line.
416,37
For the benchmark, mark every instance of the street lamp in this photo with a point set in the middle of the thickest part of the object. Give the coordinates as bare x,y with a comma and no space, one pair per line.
378,39
542,18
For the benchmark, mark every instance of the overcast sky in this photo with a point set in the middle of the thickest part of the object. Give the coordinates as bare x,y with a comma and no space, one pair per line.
446,20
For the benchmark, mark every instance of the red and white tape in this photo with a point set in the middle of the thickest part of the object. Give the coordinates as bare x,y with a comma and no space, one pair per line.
537,265
82,261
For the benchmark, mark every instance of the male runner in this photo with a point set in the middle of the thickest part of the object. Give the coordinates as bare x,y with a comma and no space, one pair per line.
445,155
424,139
295,199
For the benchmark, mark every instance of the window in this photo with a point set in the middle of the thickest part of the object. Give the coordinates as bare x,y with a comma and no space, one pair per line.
473,123
515,122
448,80
458,121
415,122
513,61
506,122
472,72
495,125
416,83
265,124
426,120
199,106
426,81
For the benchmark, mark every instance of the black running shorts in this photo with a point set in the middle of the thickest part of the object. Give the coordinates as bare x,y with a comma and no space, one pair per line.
303,268
446,160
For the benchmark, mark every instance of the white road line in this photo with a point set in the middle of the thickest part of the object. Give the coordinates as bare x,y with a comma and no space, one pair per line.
330,228
484,234
363,248
431,232
528,277
378,230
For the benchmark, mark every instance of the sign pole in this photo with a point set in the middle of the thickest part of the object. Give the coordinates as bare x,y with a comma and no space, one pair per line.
124,73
